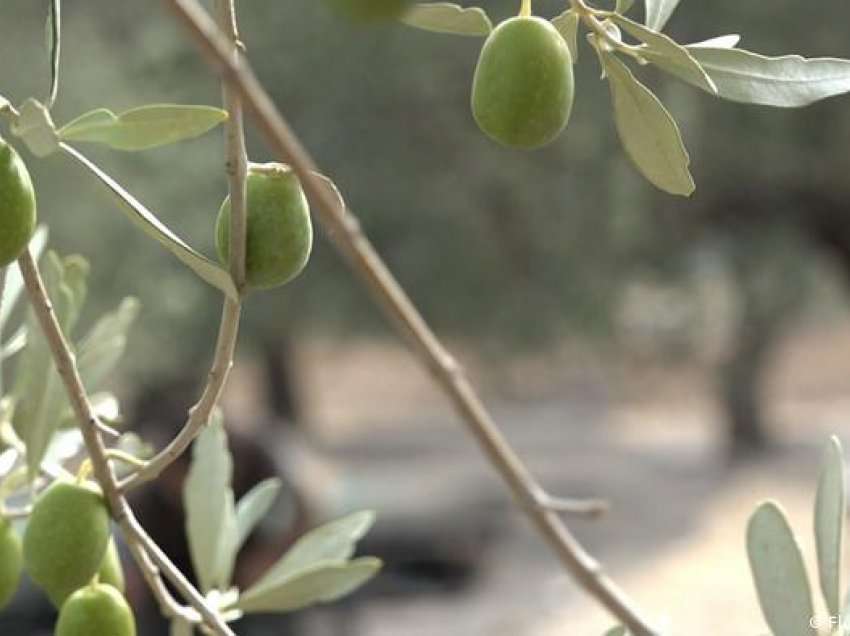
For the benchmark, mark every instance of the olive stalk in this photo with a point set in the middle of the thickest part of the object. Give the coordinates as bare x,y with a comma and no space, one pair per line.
350,240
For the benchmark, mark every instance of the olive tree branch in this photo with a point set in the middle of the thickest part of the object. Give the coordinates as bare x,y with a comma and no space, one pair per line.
136,537
345,230
237,173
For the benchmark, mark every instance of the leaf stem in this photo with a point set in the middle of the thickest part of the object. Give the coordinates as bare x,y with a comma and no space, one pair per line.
362,258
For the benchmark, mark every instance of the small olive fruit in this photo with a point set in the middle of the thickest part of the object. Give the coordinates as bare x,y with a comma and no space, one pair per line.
66,539
96,610
279,231
11,562
522,93
111,571
367,10
17,205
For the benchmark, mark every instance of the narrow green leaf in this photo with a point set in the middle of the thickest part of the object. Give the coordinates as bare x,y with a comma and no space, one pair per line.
103,346
39,395
144,127
14,282
54,46
253,507
208,270
658,13
779,574
15,344
447,17
666,53
720,42
325,582
567,24
210,511
624,6
332,542
790,81
35,127
649,134
830,510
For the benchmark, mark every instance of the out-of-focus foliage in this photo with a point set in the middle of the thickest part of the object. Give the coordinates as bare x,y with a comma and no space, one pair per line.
499,244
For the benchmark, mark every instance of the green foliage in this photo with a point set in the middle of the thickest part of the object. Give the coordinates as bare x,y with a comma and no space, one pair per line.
777,564
445,17
11,562
318,568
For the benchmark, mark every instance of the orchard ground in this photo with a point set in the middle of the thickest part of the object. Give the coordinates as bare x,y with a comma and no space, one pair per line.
647,437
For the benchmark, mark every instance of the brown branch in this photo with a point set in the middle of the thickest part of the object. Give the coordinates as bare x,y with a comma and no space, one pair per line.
362,258
136,537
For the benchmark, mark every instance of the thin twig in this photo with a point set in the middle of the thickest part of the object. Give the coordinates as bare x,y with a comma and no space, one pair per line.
134,534
237,172
350,240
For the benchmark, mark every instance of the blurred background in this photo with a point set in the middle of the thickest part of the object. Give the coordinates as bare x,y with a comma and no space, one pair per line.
681,358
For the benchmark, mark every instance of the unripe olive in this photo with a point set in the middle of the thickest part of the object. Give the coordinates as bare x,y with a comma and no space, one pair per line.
66,538
366,10
111,571
522,93
96,610
17,205
279,231
11,562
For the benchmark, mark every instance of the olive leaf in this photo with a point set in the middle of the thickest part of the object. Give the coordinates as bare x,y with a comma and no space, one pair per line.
316,568
567,25
14,283
53,28
102,348
666,53
779,574
788,81
38,393
324,582
208,270
35,127
14,344
253,507
658,12
649,134
446,17
719,42
830,510
210,510
624,6
144,127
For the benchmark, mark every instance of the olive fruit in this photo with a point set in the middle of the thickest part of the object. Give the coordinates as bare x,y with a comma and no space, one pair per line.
366,10
11,562
522,93
66,538
17,205
279,231
96,610
111,571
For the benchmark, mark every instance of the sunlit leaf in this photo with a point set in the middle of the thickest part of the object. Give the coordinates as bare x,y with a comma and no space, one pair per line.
830,511
253,507
567,24
210,510
206,269
649,134
790,81
446,17
144,127
720,42
35,127
322,583
779,574
658,12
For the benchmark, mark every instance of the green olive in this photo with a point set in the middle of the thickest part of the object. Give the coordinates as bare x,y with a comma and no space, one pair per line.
11,562
368,10
522,93
17,205
96,610
66,538
279,231
111,571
